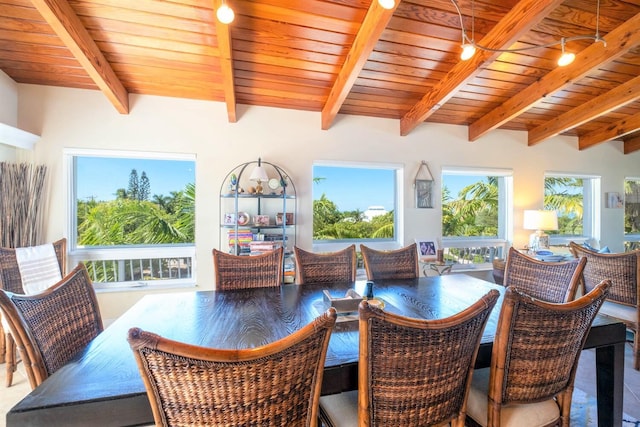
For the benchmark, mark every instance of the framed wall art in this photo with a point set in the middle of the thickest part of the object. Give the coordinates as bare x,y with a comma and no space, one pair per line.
614,200
427,248
423,186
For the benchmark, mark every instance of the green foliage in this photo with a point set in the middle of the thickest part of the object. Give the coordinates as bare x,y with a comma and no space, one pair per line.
331,224
632,207
127,221
564,195
145,187
134,185
474,212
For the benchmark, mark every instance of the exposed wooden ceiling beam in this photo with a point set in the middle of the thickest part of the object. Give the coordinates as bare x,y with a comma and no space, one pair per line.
614,130
631,145
618,42
226,64
66,24
615,98
374,23
525,15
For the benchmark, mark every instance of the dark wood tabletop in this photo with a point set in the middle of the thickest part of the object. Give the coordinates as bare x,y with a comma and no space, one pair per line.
103,387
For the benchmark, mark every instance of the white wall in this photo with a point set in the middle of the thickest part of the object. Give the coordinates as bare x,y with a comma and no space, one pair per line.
293,139
8,112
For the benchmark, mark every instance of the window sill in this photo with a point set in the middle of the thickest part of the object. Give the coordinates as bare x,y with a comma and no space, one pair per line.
142,287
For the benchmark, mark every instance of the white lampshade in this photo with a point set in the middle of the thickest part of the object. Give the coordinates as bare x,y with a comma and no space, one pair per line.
259,174
540,220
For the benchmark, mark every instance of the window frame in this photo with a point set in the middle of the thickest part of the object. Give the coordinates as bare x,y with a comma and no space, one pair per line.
123,252
630,239
505,215
398,218
591,209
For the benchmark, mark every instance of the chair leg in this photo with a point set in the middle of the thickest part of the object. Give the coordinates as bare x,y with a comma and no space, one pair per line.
10,356
3,345
636,351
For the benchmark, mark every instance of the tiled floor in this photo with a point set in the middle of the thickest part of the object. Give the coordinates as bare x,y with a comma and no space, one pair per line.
585,380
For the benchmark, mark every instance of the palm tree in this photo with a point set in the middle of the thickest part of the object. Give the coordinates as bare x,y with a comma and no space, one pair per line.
564,195
632,206
474,212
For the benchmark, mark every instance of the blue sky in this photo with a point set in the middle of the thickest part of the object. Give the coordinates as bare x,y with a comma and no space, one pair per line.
350,188
353,188
99,177
455,183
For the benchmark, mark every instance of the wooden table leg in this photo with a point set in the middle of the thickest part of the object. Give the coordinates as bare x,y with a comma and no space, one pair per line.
610,384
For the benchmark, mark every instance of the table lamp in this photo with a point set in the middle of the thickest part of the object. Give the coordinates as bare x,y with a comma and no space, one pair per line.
259,175
540,220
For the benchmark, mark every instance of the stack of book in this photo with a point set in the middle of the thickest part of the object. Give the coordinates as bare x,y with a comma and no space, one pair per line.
258,247
289,271
243,239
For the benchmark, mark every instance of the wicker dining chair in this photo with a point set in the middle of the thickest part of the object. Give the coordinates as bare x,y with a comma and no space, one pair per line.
327,267
394,264
623,302
411,372
51,327
533,362
11,281
245,272
548,281
277,384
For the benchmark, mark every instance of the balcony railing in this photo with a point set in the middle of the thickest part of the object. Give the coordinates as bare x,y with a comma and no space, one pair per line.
476,254
136,267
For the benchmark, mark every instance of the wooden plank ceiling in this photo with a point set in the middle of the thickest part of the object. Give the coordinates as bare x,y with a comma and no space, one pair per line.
348,57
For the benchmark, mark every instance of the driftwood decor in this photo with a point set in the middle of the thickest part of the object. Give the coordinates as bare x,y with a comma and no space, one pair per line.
21,199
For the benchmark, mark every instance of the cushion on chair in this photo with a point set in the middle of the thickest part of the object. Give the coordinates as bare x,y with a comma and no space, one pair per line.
619,311
604,250
341,407
514,415
39,268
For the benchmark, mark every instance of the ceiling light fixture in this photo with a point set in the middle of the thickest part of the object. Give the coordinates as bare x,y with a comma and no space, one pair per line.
225,13
567,57
387,4
469,46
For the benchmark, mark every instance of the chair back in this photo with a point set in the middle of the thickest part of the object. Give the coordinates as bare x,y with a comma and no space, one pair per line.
10,277
536,350
51,327
245,272
548,281
395,264
276,384
623,269
416,372
328,267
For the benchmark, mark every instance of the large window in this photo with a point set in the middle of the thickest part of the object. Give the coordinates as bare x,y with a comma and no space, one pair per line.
132,217
355,203
632,213
576,201
476,214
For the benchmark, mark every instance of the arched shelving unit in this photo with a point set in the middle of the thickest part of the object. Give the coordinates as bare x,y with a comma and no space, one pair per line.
254,220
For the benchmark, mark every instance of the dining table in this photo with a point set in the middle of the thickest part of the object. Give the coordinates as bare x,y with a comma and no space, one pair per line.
102,384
